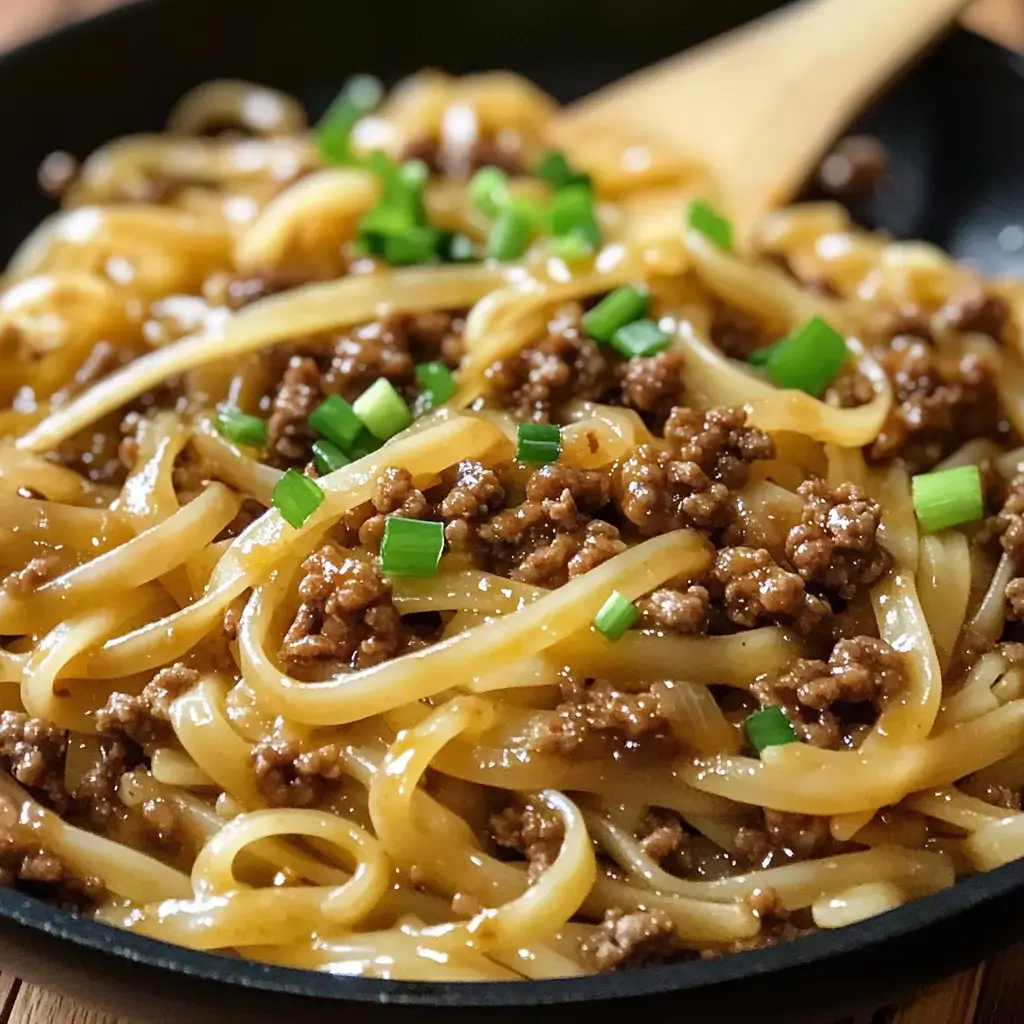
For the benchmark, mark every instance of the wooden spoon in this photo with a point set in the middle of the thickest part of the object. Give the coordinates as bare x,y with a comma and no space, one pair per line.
759,106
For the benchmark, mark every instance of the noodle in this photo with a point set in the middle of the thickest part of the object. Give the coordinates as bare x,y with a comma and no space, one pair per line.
377,597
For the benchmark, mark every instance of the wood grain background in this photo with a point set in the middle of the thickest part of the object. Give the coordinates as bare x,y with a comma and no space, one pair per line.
990,994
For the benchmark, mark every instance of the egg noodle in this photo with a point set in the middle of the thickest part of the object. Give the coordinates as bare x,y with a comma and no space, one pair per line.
120,327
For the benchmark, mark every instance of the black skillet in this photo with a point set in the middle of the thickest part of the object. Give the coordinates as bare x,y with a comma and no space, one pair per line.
955,127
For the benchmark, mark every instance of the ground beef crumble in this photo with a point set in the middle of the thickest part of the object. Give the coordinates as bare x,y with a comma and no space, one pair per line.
976,311
681,611
147,717
287,776
1008,525
663,838
532,831
39,570
781,837
624,941
735,332
32,751
689,483
836,542
825,701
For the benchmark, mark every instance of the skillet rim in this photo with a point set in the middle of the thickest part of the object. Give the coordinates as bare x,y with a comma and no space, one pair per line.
819,947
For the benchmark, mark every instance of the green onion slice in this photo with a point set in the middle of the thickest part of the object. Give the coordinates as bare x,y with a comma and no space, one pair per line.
769,727
359,95
242,428
509,235
615,310
574,247
571,212
949,497
554,168
336,420
296,497
712,225
382,409
488,190
808,360
363,445
640,338
539,443
617,614
328,457
411,547
437,382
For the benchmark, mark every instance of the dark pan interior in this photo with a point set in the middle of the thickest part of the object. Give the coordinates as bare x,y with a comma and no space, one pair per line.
956,130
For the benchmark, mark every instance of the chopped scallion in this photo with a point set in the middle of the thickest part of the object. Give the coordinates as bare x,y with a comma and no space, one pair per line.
640,338
242,428
296,497
509,234
359,95
382,409
571,212
948,498
328,457
769,727
539,443
712,225
808,360
437,382
617,614
336,420
411,547
615,310
363,445
488,189
411,246
573,247
760,356
554,168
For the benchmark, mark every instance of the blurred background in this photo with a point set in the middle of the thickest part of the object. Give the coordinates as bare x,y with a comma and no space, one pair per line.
22,19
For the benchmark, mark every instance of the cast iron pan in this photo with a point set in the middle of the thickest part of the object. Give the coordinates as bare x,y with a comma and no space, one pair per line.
956,129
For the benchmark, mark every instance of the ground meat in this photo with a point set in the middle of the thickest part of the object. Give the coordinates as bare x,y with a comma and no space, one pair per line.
856,167
31,868
147,717
457,158
682,611
622,941
39,570
237,291
394,495
288,777
598,719
33,751
1008,523
688,483
851,388
564,364
735,332
978,312
550,537
782,837
1015,598
531,830
96,793
663,837
822,699
906,319
651,384
836,543
346,615
940,402
756,590
300,392
777,925
1002,796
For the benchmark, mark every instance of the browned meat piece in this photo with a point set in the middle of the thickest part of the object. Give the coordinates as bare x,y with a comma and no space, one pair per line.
346,615
677,610
735,332
39,570
300,392
564,364
147,717
777,925
664,837
549,536
856,167
237,291
458,158
394,495
905,319
1008,523
96,793
598,719
719,441
287,777
33,751
623,941
940,402
756,590
31,868
1015,598
978,312
851,388
1002,796
531,830
836,543
651,384
783,837
820,698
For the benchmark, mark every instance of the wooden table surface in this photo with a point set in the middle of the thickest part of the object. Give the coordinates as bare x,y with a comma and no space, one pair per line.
990,994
